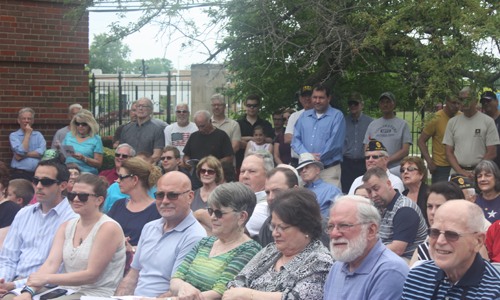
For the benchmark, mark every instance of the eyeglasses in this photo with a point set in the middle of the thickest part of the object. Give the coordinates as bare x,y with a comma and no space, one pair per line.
182,111
121,155
279,229
142,105
121,177
352,103
207,171
78,124
218,105
252,105
166,157
218,213
409,169
44,181
82,197
170,196
340,227
367,157
451,236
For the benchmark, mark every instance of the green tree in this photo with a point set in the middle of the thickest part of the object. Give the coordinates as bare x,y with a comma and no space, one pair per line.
153,66
107,55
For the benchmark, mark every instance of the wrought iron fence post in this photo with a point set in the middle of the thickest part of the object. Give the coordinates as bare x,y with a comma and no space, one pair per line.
92,95
120,102
169,76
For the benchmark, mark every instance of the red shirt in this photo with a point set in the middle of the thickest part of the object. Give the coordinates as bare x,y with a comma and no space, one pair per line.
493,242
110,175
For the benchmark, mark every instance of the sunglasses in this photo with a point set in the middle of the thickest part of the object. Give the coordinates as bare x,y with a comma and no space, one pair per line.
218,213
409,169
44,181
182,111
166,157
121,177
82,197
170,196
207,171
451,236
367,157
78,124
121,155
252,105
485,100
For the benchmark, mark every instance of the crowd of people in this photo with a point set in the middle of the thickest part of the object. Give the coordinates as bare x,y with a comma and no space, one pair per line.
318,206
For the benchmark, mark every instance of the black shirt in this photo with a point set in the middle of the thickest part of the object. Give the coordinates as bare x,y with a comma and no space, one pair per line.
8,211
201,145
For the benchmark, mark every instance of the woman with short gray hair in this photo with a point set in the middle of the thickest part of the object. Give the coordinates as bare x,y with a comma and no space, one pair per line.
487,184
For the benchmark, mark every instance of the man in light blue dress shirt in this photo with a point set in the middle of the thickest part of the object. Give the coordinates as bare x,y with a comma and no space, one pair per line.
321,132
28,146
30,236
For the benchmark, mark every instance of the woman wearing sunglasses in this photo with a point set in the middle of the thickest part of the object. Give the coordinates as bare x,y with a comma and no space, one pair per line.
87,144
414,176
217,259
90,247
135,178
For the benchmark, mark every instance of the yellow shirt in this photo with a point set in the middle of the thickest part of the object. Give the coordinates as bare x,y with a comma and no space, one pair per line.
436,129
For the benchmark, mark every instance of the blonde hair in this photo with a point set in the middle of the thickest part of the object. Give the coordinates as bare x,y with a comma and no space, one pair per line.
148,174
87,117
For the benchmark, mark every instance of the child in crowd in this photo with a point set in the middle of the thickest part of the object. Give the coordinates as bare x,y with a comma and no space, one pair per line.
258,143
361,191
20,191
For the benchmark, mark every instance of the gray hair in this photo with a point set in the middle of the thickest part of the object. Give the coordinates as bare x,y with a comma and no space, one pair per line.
266,157
465,90
476,218
74,105
366,214
182,104
150,103
235,195
218,97
25,110
204,113
132,151
489,167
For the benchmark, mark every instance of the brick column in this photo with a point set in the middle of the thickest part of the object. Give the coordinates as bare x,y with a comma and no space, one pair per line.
42,66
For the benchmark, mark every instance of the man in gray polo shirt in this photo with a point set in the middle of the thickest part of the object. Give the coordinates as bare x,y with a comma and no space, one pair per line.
144,135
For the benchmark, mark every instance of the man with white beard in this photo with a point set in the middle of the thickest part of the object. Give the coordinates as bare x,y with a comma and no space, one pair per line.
365,268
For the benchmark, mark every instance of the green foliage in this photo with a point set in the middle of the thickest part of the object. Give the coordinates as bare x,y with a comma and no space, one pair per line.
153,66
108,160
106,55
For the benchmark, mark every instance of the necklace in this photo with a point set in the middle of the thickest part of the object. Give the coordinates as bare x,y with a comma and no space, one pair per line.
83,135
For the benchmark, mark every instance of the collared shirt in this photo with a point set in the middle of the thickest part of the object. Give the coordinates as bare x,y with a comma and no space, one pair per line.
145,137
324,135
111,175
259,215
354,135
159,254
231,127
29,240
291,126
380,276
37,143
325,193
481,281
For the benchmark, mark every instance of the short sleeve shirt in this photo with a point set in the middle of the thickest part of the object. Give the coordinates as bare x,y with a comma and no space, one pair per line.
436,129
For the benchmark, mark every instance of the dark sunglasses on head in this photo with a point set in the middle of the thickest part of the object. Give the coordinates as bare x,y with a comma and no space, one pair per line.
182,111
451,236
207,171
252,105
166,157
122,155
367,157
353,103
485,100
78,124
44,181
82,197
218,213
409,169
121,177
170,196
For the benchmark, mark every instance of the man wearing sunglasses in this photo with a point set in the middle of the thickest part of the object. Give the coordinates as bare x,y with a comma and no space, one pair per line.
122,153
247,124
177,134
404,225
30,236
457,270
489,102
171,160
164,243
28,146
61,133
376,156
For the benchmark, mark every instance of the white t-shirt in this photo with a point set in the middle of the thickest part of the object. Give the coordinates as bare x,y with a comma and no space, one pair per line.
291,126
396,183
178,136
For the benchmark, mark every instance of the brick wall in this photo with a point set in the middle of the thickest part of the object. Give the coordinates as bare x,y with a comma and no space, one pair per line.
42,60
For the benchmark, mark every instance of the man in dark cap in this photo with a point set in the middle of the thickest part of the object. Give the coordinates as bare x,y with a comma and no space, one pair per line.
489,103
466,185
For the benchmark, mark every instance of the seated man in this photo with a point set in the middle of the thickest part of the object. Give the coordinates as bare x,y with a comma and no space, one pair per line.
309,169
171,160
122,153
164,242
404,225
457,271
365,268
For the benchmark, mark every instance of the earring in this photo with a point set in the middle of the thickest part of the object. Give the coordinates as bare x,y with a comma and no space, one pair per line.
307,236
239,229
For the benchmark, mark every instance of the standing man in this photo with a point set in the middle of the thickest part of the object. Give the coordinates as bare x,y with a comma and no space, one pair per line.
144,135
470,137
305,94
61,133
165,242
356,124
393,131
489,102
177,134
321,132
28,146
248,123
122,153
403,225
438,165
364,268
30,236
133,118
221,121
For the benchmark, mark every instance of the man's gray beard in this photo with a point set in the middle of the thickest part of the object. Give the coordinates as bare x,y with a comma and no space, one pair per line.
354,248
